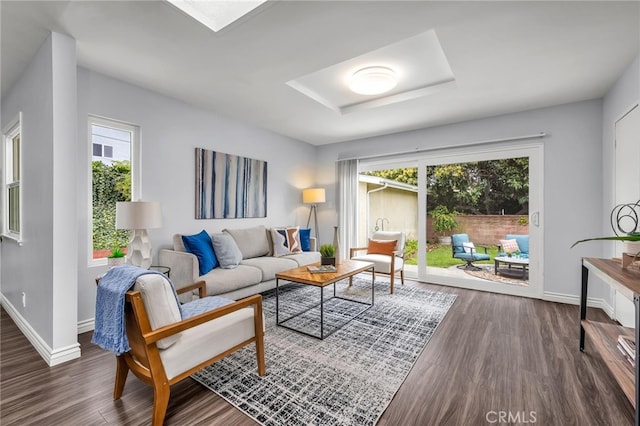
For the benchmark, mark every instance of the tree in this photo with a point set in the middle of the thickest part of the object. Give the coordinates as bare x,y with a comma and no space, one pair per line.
482,187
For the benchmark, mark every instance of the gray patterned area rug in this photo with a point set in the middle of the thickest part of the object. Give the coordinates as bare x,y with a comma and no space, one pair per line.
347,379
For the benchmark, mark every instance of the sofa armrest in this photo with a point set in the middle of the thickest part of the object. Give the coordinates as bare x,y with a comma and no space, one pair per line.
184,266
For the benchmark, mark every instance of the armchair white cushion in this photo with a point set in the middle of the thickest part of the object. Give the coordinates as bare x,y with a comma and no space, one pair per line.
166,349
384,264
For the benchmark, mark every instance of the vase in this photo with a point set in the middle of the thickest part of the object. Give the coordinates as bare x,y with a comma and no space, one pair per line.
336,244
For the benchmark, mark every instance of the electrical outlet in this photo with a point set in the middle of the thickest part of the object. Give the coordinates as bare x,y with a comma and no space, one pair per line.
24,299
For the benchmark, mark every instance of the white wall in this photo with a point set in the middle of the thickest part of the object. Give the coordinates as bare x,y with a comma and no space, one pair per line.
618,101
170,132
44,266
572,175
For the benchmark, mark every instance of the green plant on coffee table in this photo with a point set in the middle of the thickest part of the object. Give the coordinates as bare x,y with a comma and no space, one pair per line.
116,253
327,250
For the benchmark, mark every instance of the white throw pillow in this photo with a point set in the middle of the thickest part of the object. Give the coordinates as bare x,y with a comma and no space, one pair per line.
468,247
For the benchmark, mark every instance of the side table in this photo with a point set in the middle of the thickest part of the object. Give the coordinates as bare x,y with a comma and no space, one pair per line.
162,269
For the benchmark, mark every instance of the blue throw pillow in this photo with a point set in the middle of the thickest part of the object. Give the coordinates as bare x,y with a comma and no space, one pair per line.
305,238
200,245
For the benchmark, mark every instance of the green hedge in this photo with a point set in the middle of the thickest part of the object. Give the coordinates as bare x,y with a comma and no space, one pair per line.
110,183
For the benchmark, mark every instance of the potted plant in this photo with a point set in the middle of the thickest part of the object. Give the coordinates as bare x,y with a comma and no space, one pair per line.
444,222
327,254
116,257
626,226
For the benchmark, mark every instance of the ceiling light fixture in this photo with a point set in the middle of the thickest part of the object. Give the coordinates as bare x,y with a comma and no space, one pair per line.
373,80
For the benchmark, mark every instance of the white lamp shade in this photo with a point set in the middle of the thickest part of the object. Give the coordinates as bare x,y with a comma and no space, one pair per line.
138,215
313,195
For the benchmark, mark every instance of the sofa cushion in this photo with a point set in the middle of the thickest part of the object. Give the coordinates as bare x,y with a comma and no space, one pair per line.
304,258
200,245
252,242
160,303
222,280
178,245
285,240
305,239
271,265
227,251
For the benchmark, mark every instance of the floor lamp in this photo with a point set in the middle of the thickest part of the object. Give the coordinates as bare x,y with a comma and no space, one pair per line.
138,216
313,196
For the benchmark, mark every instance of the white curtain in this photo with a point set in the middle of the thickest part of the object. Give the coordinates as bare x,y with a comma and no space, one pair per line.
347,179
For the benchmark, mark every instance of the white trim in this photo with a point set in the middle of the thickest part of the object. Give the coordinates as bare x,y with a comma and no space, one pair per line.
86,325
51,356
12,129
136,172
570,299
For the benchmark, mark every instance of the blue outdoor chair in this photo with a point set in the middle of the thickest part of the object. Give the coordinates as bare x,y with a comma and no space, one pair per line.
465,250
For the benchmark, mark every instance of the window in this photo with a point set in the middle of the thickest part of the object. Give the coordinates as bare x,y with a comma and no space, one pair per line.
114,177
12,177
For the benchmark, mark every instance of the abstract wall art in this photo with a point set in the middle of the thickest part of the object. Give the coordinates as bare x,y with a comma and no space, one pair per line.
229,186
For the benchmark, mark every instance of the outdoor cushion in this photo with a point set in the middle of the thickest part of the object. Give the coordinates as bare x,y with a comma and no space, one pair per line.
252,242
475,256
457,241
509,246
523,242
468,247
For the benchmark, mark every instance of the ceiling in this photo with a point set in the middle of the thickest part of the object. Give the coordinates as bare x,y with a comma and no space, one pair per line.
504,56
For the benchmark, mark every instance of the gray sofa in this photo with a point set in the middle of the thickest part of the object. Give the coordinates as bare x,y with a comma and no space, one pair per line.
255,274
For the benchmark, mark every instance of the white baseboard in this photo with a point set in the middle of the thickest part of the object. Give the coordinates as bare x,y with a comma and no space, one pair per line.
575,300
86,325
51,356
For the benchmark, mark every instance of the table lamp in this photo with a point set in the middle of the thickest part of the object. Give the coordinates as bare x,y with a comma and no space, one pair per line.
313,196
138,216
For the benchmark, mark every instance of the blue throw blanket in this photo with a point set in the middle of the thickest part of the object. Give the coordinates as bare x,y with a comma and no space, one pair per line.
199,306
109,332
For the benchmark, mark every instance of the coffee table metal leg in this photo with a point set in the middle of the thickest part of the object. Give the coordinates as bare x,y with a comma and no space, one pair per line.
277,301
372,285
322,312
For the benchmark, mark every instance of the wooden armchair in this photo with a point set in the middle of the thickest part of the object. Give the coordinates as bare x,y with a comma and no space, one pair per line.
162,356
387,261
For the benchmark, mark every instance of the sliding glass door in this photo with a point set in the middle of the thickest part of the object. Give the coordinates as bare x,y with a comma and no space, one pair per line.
489,199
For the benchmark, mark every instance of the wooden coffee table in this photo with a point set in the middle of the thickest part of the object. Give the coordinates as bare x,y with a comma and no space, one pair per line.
301,275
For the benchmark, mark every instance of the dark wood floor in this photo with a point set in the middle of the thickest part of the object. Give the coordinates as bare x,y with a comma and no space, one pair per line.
491,353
